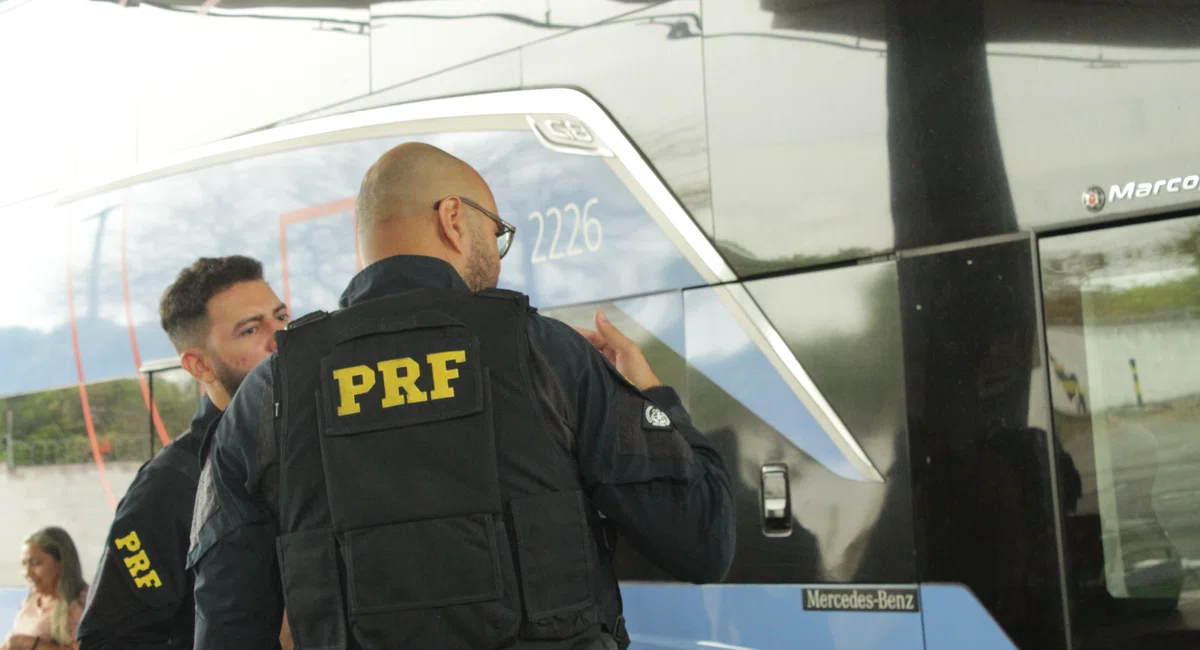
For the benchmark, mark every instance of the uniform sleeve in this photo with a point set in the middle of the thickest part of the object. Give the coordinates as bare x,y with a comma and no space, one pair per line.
662,483
142,582
239,600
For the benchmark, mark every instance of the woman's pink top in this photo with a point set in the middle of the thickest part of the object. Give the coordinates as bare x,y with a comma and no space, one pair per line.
34,620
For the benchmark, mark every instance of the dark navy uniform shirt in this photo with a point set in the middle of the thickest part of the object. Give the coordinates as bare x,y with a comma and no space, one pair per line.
685,527
143,596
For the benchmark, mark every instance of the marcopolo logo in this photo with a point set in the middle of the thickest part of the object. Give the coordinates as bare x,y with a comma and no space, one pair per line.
1094,198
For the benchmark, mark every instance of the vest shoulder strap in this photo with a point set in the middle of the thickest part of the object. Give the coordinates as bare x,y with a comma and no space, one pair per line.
182,462
504,294
308,319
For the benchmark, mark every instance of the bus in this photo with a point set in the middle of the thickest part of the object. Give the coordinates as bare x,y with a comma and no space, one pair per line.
932,285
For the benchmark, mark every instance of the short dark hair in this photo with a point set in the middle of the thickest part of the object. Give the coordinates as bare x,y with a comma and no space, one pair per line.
184,306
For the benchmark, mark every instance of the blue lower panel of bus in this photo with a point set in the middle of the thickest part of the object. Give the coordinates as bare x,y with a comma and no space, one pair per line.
766,617
955,619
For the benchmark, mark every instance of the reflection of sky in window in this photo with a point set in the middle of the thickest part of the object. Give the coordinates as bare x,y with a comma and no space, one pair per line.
235,209
35,339
320,262
33,241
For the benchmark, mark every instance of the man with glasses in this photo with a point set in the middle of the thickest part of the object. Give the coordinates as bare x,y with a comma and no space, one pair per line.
435,465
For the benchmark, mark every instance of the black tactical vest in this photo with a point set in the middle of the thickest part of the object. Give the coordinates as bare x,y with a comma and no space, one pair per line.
423,500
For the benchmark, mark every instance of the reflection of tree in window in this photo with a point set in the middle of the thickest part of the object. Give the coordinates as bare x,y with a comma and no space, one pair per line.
49,428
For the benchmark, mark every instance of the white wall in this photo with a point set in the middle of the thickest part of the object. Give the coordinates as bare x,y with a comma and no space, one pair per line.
70,496
1168,360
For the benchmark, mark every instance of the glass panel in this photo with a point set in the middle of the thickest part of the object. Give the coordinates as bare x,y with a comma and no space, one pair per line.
575,219
35,332
97,296
1123,328
274,61
177,396
661,41
653,322
93,272
404,33
51,428
51,476
696,344
768,130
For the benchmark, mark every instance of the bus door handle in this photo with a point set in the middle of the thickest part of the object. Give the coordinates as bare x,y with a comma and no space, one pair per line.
776,501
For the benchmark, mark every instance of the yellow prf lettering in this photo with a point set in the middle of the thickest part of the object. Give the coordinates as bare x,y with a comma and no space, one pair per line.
349,390
398,374
148,580
441,374
129,542
393,382
137,563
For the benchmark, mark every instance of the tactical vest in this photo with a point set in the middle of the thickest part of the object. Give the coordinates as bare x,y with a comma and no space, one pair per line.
423,500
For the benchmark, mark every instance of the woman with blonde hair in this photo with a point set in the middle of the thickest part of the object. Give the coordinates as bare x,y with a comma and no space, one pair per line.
50,615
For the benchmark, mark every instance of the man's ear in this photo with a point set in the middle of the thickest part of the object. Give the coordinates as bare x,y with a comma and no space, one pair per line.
452,224
197,365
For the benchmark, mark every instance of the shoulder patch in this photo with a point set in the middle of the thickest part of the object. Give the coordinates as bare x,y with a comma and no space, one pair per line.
654,418
137,561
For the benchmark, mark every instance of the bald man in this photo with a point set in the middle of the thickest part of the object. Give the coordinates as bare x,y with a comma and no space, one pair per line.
435,465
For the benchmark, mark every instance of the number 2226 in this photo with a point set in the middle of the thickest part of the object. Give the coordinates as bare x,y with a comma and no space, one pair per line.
592,232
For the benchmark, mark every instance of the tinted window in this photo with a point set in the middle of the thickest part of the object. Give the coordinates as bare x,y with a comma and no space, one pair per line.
176,397
1123,327
92,272
35,333
50,427
842,327
293,211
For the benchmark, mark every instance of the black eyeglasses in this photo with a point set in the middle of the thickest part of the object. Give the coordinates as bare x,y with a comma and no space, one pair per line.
504,236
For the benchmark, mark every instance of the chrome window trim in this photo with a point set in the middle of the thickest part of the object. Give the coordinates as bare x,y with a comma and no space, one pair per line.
515,110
